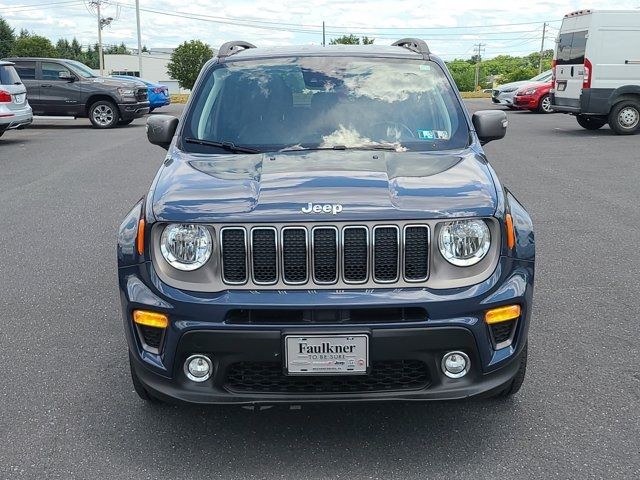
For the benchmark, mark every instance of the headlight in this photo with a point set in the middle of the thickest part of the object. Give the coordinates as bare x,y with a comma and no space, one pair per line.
126,92
186,247
464,242
529,91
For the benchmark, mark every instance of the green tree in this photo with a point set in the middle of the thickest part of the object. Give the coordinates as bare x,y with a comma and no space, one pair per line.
187,60
33,46
351,40
76,50
117,49
63,48
91,57
463,74
7,38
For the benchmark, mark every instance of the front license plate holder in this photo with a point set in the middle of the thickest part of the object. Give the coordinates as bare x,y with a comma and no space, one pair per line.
326,354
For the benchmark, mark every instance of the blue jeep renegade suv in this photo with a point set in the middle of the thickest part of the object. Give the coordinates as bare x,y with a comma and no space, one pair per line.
326,227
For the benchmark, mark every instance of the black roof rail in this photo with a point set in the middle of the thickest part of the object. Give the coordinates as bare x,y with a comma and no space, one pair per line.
415,45
229,48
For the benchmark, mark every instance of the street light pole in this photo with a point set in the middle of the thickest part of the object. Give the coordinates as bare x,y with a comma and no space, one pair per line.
139,38
100,38
544,31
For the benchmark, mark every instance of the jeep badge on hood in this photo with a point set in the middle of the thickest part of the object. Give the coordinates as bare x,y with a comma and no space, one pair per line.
326,208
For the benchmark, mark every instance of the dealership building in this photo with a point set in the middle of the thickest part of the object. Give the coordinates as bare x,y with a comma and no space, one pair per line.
154,67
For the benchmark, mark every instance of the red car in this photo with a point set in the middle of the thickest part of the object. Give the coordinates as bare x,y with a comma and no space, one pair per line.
534,97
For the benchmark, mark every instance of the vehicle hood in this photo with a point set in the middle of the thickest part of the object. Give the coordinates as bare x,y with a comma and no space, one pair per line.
512,85
117,82
277,187
535,84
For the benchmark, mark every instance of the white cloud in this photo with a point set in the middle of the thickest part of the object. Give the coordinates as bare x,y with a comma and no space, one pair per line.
363,17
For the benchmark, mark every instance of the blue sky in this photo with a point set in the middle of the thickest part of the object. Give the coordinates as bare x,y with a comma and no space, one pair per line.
450,27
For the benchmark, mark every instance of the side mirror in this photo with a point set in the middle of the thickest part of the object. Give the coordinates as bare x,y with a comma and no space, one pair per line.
490,125
161,129
66,76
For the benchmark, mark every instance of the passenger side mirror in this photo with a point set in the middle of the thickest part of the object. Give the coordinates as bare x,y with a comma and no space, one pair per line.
161,129
66,76
490,125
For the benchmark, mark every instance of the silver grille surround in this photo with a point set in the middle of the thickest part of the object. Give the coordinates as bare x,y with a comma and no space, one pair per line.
440,274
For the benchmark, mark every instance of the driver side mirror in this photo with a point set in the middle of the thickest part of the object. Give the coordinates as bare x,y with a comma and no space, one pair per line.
66,76
161,129
490,125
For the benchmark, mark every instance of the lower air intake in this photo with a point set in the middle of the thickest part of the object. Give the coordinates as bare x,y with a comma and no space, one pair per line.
268,377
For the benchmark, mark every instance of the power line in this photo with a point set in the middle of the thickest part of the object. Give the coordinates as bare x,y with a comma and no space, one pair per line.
39,6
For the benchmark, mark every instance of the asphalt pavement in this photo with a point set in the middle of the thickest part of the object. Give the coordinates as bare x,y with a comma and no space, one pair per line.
68,410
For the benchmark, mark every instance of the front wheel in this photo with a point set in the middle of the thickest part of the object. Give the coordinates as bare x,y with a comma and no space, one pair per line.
624,118
591,123
544,105
104,114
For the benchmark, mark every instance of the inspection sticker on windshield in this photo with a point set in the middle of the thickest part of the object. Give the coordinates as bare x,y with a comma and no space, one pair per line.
426,134
441,134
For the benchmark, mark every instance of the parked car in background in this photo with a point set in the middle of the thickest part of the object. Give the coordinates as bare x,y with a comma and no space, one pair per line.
59,87
15,111
157,93
597,69
534,97
503,95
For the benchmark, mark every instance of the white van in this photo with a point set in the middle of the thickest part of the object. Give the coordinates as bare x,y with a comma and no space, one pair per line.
597,69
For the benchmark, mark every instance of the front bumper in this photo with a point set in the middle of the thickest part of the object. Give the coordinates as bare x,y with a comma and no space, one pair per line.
133,110
503,98
453,321
526,102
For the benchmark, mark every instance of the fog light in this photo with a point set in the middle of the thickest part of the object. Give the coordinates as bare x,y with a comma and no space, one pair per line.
198,368
455,364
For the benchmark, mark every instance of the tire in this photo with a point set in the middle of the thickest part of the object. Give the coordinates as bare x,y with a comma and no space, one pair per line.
624,118
590,122
104,114
123,123
516,383
142,392
544,105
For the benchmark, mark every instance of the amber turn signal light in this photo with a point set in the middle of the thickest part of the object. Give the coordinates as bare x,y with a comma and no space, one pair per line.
140,237
502,314
511,234
150,319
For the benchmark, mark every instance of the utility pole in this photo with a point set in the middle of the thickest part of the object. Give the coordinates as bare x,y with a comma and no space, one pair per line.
323,35
102,22
544,31
139,38
480,51
100,38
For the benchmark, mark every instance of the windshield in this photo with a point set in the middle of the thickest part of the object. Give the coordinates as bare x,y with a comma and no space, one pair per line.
542,77
81,69
326,102
8,75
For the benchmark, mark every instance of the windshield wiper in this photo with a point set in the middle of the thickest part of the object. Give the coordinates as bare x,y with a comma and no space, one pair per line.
373,146
229,146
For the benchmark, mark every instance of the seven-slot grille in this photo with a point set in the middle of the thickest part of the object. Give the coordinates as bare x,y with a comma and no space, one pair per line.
324,255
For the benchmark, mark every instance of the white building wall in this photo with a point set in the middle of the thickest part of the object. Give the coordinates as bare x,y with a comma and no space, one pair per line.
154,68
